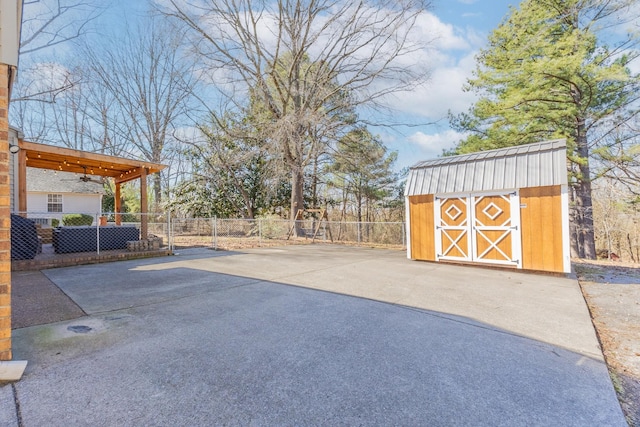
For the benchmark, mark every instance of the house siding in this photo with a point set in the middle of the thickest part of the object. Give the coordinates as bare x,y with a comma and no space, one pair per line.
71,203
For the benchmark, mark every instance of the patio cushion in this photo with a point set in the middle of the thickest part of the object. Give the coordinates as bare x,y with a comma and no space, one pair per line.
85,238
24,238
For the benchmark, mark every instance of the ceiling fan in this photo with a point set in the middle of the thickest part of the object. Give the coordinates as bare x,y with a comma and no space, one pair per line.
86,178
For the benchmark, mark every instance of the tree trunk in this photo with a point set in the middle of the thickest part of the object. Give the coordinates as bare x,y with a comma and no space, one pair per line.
633,259
586,236
609,245
297,196
157,192
573,231
583,205
314,185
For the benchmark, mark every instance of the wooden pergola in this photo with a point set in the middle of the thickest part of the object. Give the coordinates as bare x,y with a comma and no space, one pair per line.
122,170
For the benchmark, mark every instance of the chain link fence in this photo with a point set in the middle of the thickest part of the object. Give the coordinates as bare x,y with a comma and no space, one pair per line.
219,233
35,234
39,234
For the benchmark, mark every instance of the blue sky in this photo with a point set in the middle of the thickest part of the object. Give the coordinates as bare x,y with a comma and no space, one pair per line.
462,27
482,15
459,29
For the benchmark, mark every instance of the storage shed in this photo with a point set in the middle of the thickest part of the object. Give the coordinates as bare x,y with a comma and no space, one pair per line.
507,207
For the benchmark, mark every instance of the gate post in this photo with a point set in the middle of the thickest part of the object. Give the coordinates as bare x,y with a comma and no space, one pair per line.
215,232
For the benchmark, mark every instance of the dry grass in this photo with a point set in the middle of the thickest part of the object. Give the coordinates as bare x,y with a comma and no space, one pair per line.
612,292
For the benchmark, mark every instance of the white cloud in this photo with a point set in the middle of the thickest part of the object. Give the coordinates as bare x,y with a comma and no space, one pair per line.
43,77
188,134
451,60
441,94
634,66
444,36
431,146
420,145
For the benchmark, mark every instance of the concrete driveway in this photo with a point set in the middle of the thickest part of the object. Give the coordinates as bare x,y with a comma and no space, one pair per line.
311,335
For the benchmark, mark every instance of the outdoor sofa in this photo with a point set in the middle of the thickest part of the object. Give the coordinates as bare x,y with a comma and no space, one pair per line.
84,238
24,238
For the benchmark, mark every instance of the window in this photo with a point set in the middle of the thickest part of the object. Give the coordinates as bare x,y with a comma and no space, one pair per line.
54,202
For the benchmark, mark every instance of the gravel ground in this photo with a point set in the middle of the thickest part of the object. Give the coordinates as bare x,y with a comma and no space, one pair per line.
612,292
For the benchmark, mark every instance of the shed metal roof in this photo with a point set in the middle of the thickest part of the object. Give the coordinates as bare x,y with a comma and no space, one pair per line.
531,165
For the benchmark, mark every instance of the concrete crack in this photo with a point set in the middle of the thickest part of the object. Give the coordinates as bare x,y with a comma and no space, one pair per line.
17,404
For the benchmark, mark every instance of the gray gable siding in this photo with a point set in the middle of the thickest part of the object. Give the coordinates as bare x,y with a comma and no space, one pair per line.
48,181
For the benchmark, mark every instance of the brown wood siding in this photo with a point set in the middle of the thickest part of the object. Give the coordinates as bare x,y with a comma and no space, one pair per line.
541,223
423,245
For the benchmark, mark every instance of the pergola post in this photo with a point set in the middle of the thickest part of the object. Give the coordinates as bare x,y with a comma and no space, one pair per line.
117,206
144,220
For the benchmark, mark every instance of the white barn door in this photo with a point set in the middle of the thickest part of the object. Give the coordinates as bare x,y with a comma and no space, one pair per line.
453,225
479,227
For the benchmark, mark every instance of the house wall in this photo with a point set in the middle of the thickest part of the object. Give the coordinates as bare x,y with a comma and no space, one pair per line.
541,218
71,203
421,228
11,18
5,216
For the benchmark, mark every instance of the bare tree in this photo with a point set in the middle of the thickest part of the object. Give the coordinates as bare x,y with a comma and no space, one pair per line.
148,85
302,62
48,24
30,117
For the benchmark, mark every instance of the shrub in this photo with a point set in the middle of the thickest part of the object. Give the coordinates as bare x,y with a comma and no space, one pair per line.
55,222
271,226
77,219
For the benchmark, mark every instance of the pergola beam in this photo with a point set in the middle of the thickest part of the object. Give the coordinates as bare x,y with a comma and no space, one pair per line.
66,159
122,170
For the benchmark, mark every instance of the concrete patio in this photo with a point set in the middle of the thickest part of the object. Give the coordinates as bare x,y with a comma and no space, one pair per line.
311,335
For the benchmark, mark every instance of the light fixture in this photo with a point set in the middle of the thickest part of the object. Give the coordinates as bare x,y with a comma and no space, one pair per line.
14,148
